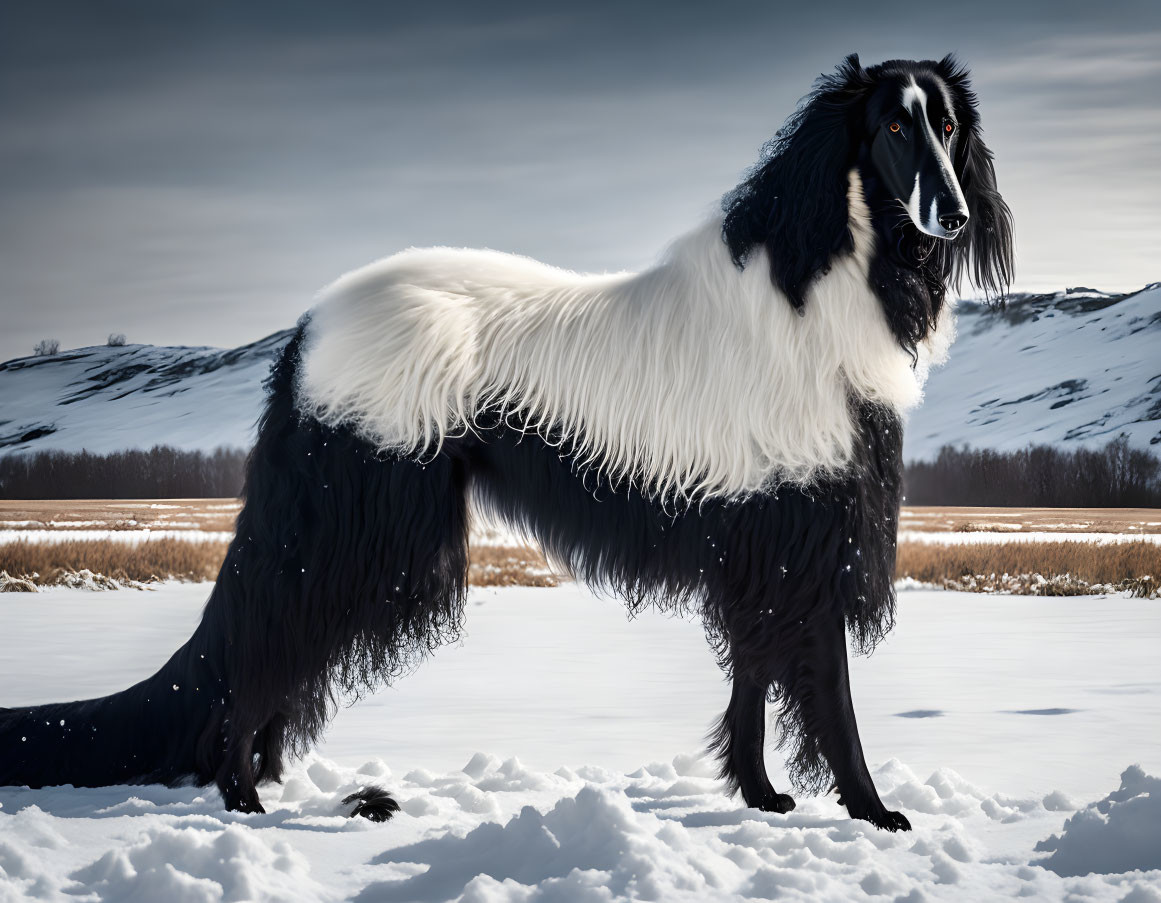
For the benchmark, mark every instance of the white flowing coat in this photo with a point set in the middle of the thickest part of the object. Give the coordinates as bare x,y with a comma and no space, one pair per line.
692,378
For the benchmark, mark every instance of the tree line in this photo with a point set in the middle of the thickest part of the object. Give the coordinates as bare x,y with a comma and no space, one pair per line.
160,472
1115,476
1039,476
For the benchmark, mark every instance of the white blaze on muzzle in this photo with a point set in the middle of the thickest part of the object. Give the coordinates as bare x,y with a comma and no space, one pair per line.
941,184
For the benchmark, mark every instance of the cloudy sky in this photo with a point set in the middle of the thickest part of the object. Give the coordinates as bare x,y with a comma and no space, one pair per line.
192,173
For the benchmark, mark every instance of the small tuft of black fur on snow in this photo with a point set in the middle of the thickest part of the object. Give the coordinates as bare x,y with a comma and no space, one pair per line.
372,802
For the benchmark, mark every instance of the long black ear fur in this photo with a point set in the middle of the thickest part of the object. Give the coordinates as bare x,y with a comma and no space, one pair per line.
985,253
794,202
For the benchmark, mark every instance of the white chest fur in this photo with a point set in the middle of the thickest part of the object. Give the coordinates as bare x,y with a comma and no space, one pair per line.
691,378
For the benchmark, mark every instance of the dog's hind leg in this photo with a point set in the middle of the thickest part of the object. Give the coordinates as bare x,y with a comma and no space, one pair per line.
348,567
235,778
816,695
739,741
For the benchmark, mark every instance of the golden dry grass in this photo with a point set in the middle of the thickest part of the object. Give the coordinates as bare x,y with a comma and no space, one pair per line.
1079,565
55,563
49,563
509,566
1032,567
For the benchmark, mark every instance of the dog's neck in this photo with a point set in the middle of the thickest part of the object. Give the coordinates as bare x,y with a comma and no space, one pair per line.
908,270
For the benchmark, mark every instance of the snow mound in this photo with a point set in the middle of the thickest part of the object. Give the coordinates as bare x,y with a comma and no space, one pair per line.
664,832
1116,834
193,866
595,831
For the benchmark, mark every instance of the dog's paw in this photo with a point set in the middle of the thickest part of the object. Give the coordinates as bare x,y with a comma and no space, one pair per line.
372,802
777,802
772,801
889,821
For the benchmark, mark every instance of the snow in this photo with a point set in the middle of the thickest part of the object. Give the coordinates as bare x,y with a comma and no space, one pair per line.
483,533
1116,834
985,536
132,537
554,755
192,864
1077,526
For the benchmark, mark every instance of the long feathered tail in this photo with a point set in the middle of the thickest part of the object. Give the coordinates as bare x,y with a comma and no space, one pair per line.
145,734
345,568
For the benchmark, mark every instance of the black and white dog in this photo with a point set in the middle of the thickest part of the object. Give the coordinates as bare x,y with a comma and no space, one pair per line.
719,434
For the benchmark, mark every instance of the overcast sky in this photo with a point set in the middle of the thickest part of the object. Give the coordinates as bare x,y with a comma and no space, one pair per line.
193,173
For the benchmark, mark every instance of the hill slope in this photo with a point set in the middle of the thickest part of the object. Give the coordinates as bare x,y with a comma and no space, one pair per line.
1074,367
107,399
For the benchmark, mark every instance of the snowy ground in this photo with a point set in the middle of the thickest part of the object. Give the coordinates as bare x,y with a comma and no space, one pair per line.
132,537
995,538
1003,715
136,521
135,537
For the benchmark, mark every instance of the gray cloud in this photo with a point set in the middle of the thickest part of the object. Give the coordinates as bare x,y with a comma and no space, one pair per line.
194,179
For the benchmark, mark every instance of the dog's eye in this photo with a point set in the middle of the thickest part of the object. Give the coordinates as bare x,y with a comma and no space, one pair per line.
894,126
948,127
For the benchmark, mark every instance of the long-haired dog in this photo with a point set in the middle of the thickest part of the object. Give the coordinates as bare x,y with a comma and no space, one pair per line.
719,434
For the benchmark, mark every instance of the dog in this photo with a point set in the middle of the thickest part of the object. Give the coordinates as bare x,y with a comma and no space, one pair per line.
720,434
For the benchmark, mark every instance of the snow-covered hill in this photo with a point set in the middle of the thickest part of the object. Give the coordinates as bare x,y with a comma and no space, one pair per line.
107,399
1077,367
1074,367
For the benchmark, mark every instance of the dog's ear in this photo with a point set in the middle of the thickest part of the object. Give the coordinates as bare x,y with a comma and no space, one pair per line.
985,251
794,202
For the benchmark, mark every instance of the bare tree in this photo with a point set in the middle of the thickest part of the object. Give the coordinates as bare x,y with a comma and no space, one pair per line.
45,347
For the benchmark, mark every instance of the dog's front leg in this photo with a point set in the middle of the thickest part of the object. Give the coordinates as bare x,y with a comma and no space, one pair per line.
739,741
818,688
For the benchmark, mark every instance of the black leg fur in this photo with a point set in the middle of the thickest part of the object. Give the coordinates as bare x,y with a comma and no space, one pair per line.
758,571
347,567
739,741
235,776
817,688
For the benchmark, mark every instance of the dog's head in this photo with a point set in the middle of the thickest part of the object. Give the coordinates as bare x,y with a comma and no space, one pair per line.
912,131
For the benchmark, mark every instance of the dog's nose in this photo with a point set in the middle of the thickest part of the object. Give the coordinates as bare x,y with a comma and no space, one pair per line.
953,222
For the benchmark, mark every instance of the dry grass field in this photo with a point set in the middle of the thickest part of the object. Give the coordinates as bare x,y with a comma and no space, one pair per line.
1034,568
218,515
1025,520
51,563
211,515
97,563
35,548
